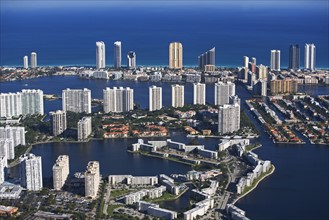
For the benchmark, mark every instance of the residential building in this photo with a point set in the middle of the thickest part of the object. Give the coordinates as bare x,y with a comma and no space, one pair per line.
155,98
117,54
310,56
223,91
177,95
10,104
7,148
76,100
275,60
229,117
118,99
285,86
84,128
92,179
245,61
131,56
100,55
26,62
261,72
31,172
32,102
207,58
199,94
16,134
175,55
3,166
34,63
294,57
61,171
58,122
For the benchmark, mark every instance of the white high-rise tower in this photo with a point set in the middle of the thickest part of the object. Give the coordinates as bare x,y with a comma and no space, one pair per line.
117,54
309,59
275,60
31,172
155,98
34,63
26,62
100,55
199,94
177,95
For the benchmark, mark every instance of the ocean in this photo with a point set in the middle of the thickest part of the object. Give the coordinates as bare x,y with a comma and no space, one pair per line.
66,35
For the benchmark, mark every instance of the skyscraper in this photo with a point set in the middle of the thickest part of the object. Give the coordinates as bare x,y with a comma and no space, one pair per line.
7,148
223,91
261,72
32,102
31,172
253,60
207,58
84,128
175,55
131,56
34,63
294,57
17,134
61,171
3,165
118,99
76,100
199,94
100,55
155,98
117,54
58,122
92,179
26,62
229,116
309,58
245,61
177,96
275,60
10,104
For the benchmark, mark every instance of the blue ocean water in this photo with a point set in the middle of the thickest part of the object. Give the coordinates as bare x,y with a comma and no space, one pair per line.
67,35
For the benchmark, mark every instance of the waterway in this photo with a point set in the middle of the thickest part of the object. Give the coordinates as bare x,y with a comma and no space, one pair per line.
298,189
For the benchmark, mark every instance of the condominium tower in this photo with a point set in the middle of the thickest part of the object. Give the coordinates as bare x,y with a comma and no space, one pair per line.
223,91
34,63
117,54
92,178
131,58
207,58
76,100
100,55
3,165
199,94
294,57
175,55
275,60
155,98
118,99
58,122
17,134
31,172
7,148
84,128
309,58
26,62
177,96
229,116
61,171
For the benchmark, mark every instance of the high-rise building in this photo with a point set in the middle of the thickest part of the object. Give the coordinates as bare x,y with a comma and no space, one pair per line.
175,55
261,72
229,117
84,128
260,87
252,67
58,122
223,91
275,60
10,104
155,98
294,57
117,54
92,178
177,96
3,165
17,134
32,102
7,148
76,100
100,55
245,61
309,58
31,172
61,170
199,94
207,58
253,60
285,86
34,63
118,99
131,56
26,62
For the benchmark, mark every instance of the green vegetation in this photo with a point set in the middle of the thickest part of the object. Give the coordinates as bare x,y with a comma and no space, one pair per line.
246,122
252,146
111,208
203,167
101,201
165,197
118,192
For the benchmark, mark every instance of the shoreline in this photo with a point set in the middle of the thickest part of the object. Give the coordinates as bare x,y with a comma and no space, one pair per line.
253,188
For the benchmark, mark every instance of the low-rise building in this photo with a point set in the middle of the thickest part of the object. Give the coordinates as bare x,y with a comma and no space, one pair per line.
133,180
